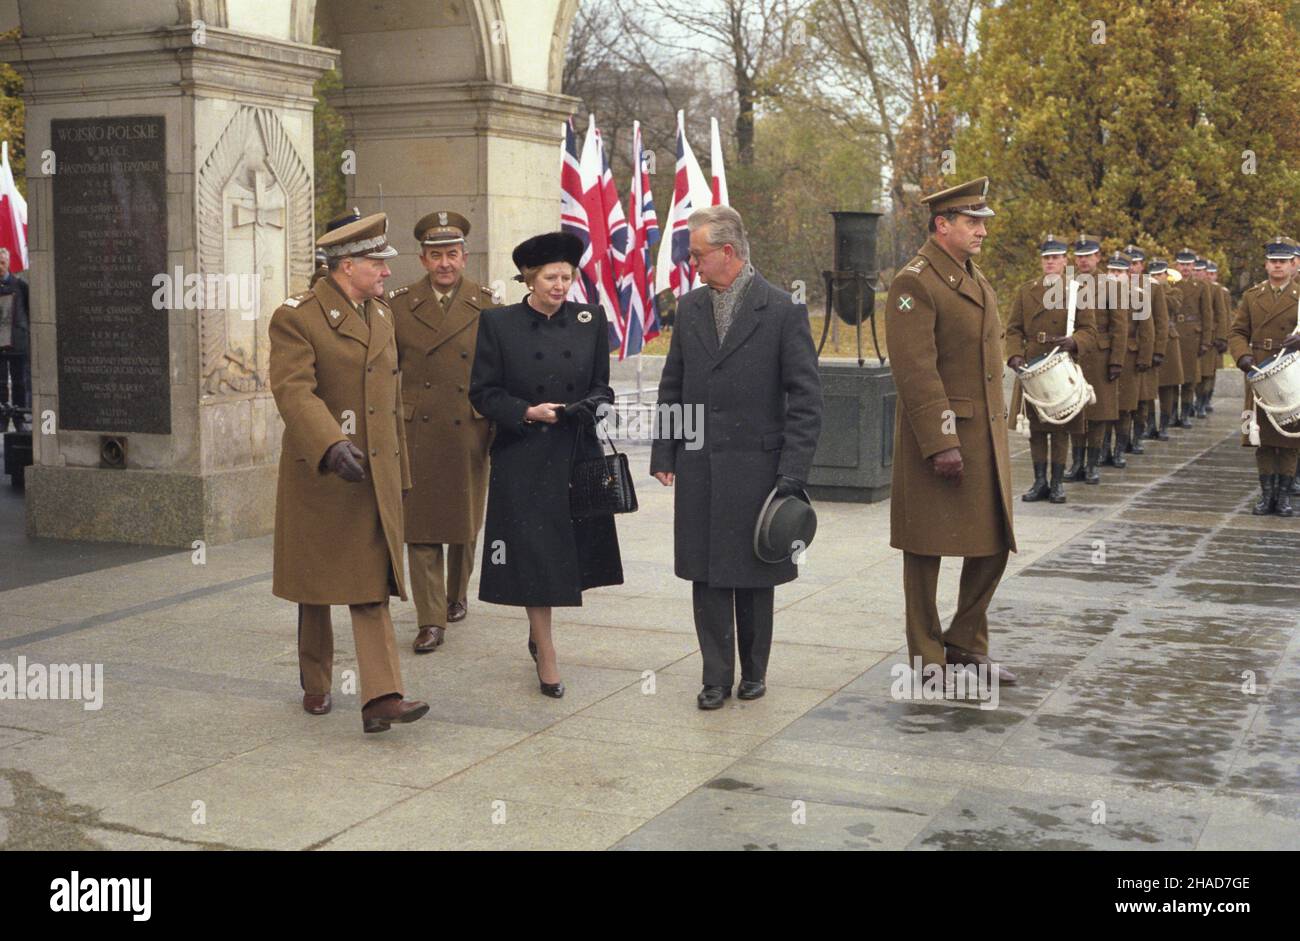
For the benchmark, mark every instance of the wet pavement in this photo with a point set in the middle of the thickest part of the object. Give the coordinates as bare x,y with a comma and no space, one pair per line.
1150,619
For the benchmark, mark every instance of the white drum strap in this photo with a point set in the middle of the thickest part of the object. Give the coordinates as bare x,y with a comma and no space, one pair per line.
1072,291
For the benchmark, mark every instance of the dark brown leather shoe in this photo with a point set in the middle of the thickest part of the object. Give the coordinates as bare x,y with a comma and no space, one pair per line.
429,639
957,656
456,612
317,703
379,715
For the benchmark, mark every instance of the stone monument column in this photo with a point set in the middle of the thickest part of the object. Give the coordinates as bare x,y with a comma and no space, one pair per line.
454,106
171,210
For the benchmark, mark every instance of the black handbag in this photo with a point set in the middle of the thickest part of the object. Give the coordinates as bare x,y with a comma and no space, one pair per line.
600,486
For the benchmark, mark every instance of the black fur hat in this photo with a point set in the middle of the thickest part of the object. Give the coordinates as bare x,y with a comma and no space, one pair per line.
546,248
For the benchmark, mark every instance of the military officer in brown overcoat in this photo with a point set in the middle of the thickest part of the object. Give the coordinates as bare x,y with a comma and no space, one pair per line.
1264,325
1222,324
1036,326
437,326
1169,375
1216,338
1124,290
1101,366
952,466
343,470
1195,331
1144,425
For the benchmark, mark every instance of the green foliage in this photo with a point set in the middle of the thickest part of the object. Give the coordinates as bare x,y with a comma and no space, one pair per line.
13,118
330,141
1145,137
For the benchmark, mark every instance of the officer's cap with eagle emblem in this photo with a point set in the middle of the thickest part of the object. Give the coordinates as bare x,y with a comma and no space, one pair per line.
1279,248
1051,245
1118,262
442,228
1134,253
1087,244
1158,266
365,238
967,199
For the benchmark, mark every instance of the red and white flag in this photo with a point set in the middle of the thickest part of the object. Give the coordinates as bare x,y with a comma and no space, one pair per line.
13,215
674,267
599,266
718,185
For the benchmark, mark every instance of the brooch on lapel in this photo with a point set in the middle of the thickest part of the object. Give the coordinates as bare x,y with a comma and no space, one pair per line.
584,316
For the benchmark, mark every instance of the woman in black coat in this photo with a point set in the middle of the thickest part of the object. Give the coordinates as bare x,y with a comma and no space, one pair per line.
541,371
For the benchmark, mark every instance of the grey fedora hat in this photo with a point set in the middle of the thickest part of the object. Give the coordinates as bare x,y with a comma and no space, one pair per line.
785,526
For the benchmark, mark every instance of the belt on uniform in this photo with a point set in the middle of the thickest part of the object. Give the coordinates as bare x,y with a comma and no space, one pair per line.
1264,344
1042,336
1184,318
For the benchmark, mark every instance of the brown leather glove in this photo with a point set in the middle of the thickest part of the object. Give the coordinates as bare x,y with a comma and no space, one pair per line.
1016,362
1246,363
1112,371
345,459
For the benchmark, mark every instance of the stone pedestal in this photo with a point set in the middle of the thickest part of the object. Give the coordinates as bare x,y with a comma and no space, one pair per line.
855,453
233,167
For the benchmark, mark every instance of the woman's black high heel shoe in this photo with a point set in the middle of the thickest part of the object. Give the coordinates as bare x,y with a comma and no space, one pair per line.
554,690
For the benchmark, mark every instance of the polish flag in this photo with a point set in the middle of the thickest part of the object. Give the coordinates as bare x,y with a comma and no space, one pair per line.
719,180
13,215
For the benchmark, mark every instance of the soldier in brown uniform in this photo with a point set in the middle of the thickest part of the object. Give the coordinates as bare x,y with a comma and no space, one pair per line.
1216,338
1144,425
343,470
1139,345
952,467
1264,326
437,326
1036,326
1222,324
1101,366
1170,372
1195,331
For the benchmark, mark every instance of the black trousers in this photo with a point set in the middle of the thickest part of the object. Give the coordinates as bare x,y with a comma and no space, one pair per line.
717,611
14,369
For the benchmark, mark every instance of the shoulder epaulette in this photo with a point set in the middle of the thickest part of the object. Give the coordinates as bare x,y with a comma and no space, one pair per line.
916,264
396,291
297,299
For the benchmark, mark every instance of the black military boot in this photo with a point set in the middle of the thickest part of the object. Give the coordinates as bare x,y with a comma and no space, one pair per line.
1200,405
1090,475
1209,399
1187,414
1163,433
1117,458
1153,429
1107,455
1057,492
1295,486
1076,463
1039,490
1267,492
1283,507
1134,445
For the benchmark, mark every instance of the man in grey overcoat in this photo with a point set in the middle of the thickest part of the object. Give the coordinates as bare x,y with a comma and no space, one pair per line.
742,364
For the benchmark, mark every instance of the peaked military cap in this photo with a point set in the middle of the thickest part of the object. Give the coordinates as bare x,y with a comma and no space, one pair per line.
1051,245
968,199
1118,261
1211,267
1185,256
364,238
441,228
1158,266
1280,247
1199,264
1086,244
1134,253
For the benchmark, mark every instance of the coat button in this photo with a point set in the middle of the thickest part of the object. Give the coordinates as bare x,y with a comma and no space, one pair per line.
537,355
394,372
567,354
370,369
456,422
373,452
460,388
427,384
464,355
426,417
988,376
397,453
372,410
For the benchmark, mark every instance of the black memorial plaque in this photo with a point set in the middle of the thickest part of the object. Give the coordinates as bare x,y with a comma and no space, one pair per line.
110,242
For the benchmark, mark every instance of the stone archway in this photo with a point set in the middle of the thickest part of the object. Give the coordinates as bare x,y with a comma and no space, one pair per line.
451,104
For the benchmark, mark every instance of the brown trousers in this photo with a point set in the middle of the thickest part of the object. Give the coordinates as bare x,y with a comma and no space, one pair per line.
969,630
1042,443
372,631
1274,460
429,588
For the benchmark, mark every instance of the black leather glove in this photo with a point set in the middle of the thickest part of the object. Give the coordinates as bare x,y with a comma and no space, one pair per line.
1246,363
1291,342
345,459
1221,345
1016,362
1069,344
583,411
788,486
